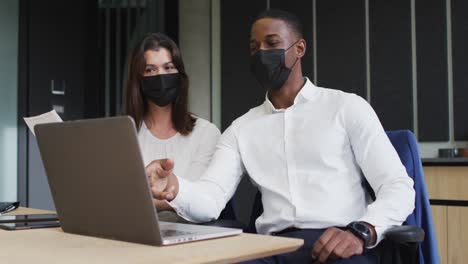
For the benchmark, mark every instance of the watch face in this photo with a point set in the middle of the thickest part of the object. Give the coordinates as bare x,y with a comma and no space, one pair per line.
361,227
362,231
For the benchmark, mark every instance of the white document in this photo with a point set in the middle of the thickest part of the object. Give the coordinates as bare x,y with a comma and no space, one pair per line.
49,117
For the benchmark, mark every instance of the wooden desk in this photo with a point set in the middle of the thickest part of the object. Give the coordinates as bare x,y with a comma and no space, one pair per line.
24,210
52,245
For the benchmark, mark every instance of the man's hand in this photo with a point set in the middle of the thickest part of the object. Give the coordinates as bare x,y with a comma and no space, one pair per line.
164,183
335,244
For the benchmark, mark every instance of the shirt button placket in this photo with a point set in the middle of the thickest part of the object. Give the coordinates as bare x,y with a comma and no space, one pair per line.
288,156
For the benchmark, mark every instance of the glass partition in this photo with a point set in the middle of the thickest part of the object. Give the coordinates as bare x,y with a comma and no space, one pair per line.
8,99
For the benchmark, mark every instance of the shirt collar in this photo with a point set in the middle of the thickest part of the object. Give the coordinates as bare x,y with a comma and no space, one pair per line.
307,93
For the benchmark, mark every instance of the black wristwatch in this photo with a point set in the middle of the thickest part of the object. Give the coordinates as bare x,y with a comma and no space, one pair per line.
360,230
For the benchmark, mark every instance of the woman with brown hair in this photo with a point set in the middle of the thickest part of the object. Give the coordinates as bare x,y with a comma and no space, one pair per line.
157,99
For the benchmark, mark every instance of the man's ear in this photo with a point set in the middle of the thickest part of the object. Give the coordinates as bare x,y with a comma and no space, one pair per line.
301,48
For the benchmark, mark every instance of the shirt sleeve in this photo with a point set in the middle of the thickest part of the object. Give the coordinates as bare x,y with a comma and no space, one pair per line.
381,167
203,200
204,151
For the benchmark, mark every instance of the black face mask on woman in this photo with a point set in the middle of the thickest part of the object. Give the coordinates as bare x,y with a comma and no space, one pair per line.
269,67
161,89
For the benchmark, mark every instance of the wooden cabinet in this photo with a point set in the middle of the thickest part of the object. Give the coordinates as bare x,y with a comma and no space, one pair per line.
448,191
457,234
447,183
439,217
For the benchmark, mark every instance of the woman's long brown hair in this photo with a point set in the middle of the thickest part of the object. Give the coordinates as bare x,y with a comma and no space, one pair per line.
136,105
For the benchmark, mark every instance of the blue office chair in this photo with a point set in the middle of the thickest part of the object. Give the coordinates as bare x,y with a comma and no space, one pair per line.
406,146
403,244
228,212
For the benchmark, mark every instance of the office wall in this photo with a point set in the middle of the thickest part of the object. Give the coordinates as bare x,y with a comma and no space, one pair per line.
406,57
8,99
194,42
121,24
395,54
199,41
84,44
58,44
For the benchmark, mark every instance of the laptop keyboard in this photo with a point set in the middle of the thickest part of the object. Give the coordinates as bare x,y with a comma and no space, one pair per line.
173,233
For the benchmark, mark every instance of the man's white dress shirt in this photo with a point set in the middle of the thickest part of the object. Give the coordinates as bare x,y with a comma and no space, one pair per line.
308,162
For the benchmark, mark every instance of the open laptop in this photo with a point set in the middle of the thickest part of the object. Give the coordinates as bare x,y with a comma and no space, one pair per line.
99,185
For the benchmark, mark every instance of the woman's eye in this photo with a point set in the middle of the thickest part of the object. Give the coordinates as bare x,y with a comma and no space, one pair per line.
170,68
148,70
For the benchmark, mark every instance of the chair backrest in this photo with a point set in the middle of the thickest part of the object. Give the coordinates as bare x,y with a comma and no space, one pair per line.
406,146
228,212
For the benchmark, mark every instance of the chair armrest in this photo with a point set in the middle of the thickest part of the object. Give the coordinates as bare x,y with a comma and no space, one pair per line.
405,234
225,223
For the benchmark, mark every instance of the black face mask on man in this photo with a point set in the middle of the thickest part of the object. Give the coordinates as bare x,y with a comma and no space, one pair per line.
161,89
269,67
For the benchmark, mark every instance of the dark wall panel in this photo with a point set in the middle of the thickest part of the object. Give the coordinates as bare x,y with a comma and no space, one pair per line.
61,45
390,60
460,67
240,90
303,10
431,50
341,45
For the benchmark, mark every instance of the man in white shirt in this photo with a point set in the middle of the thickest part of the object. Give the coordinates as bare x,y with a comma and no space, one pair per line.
307,149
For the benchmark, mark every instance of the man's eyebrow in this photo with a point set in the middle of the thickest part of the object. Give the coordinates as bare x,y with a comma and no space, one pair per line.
252,40
272,35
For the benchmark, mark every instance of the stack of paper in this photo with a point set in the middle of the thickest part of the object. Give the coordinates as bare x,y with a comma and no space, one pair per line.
49,117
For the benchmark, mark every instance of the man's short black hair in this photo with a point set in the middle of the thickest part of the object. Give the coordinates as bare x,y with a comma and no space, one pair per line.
289,18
